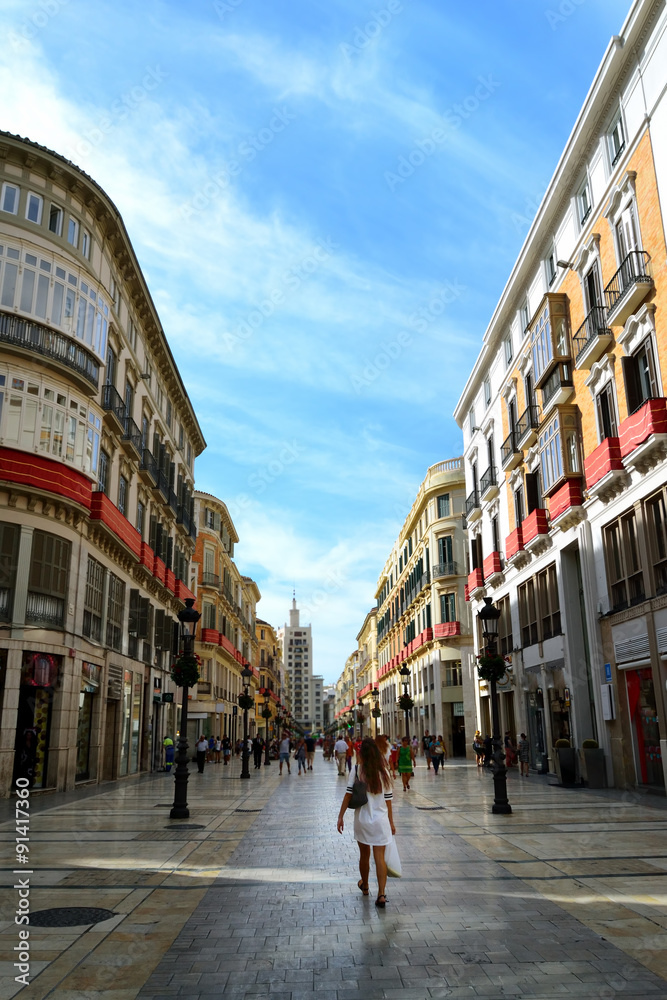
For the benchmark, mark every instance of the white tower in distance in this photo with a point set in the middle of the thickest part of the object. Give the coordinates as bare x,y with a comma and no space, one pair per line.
305,690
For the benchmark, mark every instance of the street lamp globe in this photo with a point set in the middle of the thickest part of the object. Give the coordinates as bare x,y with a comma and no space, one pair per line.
489,617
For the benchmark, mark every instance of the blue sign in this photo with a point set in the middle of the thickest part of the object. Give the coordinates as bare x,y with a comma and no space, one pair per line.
607,673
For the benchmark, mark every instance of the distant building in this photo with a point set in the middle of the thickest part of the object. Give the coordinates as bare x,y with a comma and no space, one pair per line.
305,690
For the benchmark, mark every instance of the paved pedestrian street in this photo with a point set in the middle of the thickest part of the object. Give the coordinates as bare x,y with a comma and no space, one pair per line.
255,894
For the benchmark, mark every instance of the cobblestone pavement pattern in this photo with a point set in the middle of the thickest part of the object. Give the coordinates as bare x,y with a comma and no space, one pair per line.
563,898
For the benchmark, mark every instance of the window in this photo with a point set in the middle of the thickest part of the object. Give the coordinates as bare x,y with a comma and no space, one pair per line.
606,413
122,495
93,600
48,580
448,607
495,534
624,571
73,232
527,613
505,639
33,208
471,420
209,616
10,198
656,525
547,594
85,244
550,268
168,414
616,139
443,505
519,508
56,220
141,517
584,202
560,452
487,392
639,374
507,349
524,318
103,475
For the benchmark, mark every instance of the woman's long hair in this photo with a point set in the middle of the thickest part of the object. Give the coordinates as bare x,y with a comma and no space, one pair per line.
374,766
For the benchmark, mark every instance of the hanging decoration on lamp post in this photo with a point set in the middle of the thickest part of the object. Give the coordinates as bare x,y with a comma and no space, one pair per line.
185,670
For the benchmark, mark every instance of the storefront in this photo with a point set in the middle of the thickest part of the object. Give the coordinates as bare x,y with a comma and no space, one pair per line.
90,686
40,675
643,715
131,722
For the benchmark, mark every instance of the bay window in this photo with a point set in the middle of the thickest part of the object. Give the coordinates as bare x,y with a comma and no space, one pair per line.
550,336
560,449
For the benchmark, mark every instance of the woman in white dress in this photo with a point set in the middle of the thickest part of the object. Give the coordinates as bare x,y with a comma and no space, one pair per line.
373,822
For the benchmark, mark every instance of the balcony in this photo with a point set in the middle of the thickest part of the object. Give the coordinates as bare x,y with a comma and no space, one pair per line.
558,388
161,488
514,545
56,351
592,339
114,409
605,472
473,509
446,630
510,453
131,440
441,570
493,569
148,468
628,288
42,609
566,505
183,517
526,426
489,484
643,435
475,584
210,580
535,530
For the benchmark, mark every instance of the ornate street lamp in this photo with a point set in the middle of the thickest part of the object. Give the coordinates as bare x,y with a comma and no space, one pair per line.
246,701
266,715
185,673
360,717
491,667
376,708
405,701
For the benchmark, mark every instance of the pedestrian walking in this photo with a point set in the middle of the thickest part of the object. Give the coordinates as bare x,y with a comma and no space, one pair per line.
488,750
300,755
283,753
374,821
211,749
349,753
169,750
478,747
426,746
201,748
218,749
438,753
310,752
524,754
257,748
510,750
393,757
406,763
226,749
340,750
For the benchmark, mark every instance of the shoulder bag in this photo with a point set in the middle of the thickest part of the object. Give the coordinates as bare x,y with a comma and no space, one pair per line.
359,796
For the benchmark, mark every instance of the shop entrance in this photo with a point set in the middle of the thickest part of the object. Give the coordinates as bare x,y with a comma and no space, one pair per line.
39,676
458,730
645,727
90,683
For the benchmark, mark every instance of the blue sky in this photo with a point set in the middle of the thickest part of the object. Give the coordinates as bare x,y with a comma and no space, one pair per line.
326,198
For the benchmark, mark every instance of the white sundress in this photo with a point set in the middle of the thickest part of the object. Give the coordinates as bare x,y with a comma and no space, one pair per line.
371,821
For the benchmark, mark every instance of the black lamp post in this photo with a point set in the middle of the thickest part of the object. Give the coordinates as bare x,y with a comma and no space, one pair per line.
489,616
188,618
360,716
376,699
246,674
267,762
405,674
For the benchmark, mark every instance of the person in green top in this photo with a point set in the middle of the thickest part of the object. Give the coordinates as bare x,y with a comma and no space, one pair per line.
406,763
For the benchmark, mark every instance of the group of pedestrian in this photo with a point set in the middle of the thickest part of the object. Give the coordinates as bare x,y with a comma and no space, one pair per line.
515,752
435,751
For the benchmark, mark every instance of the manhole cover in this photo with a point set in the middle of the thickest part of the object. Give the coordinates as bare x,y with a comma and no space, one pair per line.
248,810
430,808
163,805
186,826
69,916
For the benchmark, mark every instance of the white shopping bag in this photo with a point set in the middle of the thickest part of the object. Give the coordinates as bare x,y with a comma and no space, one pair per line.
392,860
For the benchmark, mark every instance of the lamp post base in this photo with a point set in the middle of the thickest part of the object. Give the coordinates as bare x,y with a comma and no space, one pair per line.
179,812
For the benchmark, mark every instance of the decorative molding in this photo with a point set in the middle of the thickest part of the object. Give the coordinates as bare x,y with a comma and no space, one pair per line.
638,327
601,372
509,389
589,253
624,190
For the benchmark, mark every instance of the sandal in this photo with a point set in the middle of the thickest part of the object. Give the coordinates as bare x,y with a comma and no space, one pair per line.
381,901
363,886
